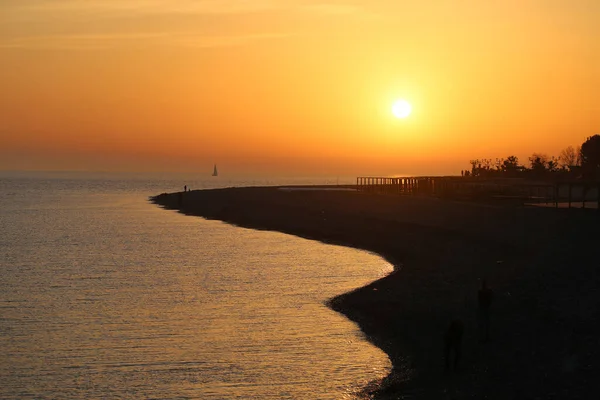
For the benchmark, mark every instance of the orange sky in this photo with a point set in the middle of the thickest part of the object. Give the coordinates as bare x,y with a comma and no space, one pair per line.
293,86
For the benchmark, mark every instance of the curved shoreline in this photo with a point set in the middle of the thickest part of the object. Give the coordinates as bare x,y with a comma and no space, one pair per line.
446,247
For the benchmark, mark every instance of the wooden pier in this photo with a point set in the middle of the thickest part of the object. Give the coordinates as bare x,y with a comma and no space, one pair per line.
407,185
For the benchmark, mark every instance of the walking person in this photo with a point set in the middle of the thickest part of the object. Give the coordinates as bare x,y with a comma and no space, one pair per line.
453,343
484,298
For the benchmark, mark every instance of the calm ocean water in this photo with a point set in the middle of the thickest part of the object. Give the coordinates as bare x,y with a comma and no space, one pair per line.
104,295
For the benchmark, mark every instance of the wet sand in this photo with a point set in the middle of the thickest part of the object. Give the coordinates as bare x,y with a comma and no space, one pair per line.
541,263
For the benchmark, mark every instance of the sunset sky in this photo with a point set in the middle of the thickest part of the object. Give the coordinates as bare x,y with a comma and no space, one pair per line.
293,86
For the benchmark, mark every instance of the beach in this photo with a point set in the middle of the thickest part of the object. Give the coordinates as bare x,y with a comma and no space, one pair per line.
540,262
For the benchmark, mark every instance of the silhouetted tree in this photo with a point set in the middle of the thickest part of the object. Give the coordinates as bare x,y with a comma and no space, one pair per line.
475,167
578,152
486,163
583,160
568,158
538,163
552,164
510,164
590,156
498,164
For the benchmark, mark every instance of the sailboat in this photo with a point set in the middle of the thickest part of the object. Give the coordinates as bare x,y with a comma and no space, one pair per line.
215,173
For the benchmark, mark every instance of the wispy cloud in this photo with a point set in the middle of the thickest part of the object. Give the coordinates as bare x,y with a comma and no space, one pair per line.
146,6
182,6
109,41
59,24
226,41
77,41
332,8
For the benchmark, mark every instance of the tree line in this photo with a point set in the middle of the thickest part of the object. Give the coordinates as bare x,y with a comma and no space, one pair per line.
582,162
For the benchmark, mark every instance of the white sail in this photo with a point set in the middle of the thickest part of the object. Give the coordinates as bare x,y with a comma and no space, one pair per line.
215,173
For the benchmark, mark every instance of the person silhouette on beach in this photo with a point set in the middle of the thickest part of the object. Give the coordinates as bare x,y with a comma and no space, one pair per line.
185,188
484,298
453,343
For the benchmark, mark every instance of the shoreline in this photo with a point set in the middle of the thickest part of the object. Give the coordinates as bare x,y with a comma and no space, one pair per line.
439,250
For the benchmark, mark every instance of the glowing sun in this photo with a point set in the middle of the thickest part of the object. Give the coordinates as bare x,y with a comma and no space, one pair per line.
401,109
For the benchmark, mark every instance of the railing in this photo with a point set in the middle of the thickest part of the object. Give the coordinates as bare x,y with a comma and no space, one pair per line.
578,192
567,194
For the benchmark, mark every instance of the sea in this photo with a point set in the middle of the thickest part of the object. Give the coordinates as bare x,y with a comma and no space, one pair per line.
106,295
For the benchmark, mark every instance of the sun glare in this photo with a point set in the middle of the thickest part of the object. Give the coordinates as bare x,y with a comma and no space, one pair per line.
401,109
